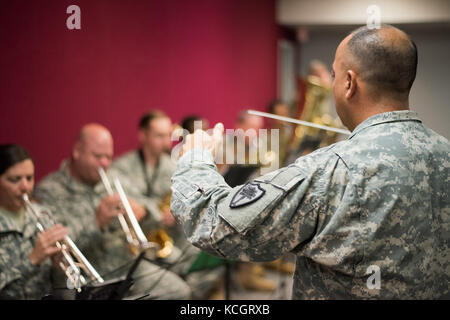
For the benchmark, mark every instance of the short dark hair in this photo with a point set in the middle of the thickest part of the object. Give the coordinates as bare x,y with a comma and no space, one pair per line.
11,154
388,68
147,118
242,116
188,122
273,104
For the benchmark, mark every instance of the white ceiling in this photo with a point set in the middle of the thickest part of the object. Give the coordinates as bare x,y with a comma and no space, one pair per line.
354,12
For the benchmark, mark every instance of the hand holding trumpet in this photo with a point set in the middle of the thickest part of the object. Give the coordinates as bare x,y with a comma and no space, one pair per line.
45,246
111,206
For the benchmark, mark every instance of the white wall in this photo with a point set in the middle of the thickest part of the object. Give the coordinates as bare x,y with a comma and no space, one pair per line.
342,12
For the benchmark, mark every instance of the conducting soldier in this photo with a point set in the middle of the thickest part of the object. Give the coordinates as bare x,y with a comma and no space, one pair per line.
24,264
367,217
76,196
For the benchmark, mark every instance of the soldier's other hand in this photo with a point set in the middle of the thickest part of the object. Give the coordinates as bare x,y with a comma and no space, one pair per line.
56,259
201,139
167,217
138,209
46,244
109,208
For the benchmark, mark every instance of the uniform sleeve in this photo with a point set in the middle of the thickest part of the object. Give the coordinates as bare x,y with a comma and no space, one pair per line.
258,221
13,268
19,278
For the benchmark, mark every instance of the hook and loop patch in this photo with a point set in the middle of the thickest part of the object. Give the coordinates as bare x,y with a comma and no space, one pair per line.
249,193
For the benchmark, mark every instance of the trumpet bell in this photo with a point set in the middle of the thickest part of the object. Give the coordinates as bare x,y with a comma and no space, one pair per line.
165,242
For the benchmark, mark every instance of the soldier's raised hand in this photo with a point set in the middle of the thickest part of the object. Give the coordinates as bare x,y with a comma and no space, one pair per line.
201,139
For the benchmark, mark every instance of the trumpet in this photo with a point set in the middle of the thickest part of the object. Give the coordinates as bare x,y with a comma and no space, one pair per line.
133,232
73,260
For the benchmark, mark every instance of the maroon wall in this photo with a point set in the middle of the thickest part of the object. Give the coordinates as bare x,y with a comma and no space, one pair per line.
210,57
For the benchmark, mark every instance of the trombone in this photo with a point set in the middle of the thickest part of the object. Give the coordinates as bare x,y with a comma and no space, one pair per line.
73,259
133,232
301,122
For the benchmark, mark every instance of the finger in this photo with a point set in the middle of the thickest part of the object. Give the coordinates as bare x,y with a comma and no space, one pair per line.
116,197
42,240
113,199
110,199
188,138
51,251
218,133
218,130
55,235
55,228
113,204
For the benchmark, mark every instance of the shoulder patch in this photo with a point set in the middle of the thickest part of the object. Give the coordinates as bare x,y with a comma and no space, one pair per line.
249,193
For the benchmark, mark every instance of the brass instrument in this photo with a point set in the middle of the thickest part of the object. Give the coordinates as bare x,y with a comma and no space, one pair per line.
318,112
135,237
160,236
73,260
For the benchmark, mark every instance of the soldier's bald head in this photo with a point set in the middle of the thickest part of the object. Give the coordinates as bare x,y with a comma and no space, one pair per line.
93,149
94,133
385,59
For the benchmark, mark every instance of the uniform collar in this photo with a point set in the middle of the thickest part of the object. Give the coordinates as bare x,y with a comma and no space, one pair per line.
73,184
29,229
6,224
393,116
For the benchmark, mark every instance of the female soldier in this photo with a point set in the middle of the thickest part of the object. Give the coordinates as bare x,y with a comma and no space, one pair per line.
24,253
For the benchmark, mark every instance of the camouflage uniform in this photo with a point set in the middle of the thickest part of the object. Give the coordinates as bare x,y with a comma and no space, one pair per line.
73,204
150,190
379,198
19,278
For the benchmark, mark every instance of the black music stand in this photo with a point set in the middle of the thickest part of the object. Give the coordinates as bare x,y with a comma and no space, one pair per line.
113,289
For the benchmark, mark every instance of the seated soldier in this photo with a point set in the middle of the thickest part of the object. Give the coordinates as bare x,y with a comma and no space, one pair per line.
76,196
24,265
146,176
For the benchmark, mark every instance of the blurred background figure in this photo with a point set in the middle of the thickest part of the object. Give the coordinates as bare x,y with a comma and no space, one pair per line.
188,123
146,171
146,175
239,153
285,129
318,108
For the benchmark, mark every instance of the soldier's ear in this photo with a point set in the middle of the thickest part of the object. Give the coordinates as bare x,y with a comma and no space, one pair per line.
76,151
350,84
141,136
